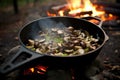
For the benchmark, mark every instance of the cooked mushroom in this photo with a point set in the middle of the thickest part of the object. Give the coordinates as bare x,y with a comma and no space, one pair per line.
41,40
69,51
70,28
31,42
60,32
63,42
81,51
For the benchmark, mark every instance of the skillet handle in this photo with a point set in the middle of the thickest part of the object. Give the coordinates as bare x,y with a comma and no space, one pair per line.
99,24
13,63
94,18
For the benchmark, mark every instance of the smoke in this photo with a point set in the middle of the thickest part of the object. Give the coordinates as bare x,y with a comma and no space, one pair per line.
47,24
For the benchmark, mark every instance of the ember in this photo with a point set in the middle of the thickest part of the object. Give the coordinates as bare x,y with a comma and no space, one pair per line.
39,69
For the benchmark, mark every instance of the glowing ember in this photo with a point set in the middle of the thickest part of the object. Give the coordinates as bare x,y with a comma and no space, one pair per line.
80,8
50,14
36,70
32,70
41,68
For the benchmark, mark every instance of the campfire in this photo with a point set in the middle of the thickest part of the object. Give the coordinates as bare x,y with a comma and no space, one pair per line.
80,8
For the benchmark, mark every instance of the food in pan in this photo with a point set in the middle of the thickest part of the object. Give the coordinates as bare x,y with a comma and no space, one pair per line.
63,42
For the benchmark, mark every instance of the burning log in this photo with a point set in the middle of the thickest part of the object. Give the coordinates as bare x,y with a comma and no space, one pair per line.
56,9
81,13
84,13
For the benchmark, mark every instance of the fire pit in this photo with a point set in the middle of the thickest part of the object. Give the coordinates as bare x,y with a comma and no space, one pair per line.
80,8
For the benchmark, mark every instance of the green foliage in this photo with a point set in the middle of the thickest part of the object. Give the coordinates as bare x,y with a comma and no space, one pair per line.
5,3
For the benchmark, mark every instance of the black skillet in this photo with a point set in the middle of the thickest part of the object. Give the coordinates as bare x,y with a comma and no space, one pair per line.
31,31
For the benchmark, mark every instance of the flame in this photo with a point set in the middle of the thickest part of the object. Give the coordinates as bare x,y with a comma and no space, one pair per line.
61,13
108,17
50,14
86,6
74,4
82,8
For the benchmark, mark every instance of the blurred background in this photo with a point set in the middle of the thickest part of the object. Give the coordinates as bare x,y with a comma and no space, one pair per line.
14,14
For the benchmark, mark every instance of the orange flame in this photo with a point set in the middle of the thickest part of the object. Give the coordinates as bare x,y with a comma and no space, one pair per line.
86,6
61,13
74,4
75,7
50,14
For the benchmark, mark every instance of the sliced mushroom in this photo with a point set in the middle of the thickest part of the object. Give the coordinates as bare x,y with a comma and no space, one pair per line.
92,47
66,39
70,28
76,41
31,42
38,50
81,51
60,31
78,47
59,44
36,44
69,51
54,29
42,40
94,40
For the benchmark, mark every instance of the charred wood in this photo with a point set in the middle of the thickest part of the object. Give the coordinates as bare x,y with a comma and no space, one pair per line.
85,12
107,4
114,23
113,11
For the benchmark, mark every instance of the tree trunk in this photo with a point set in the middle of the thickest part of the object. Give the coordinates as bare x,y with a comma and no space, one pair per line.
15,6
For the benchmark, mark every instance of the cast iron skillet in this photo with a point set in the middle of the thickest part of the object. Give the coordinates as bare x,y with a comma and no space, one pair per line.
31,31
